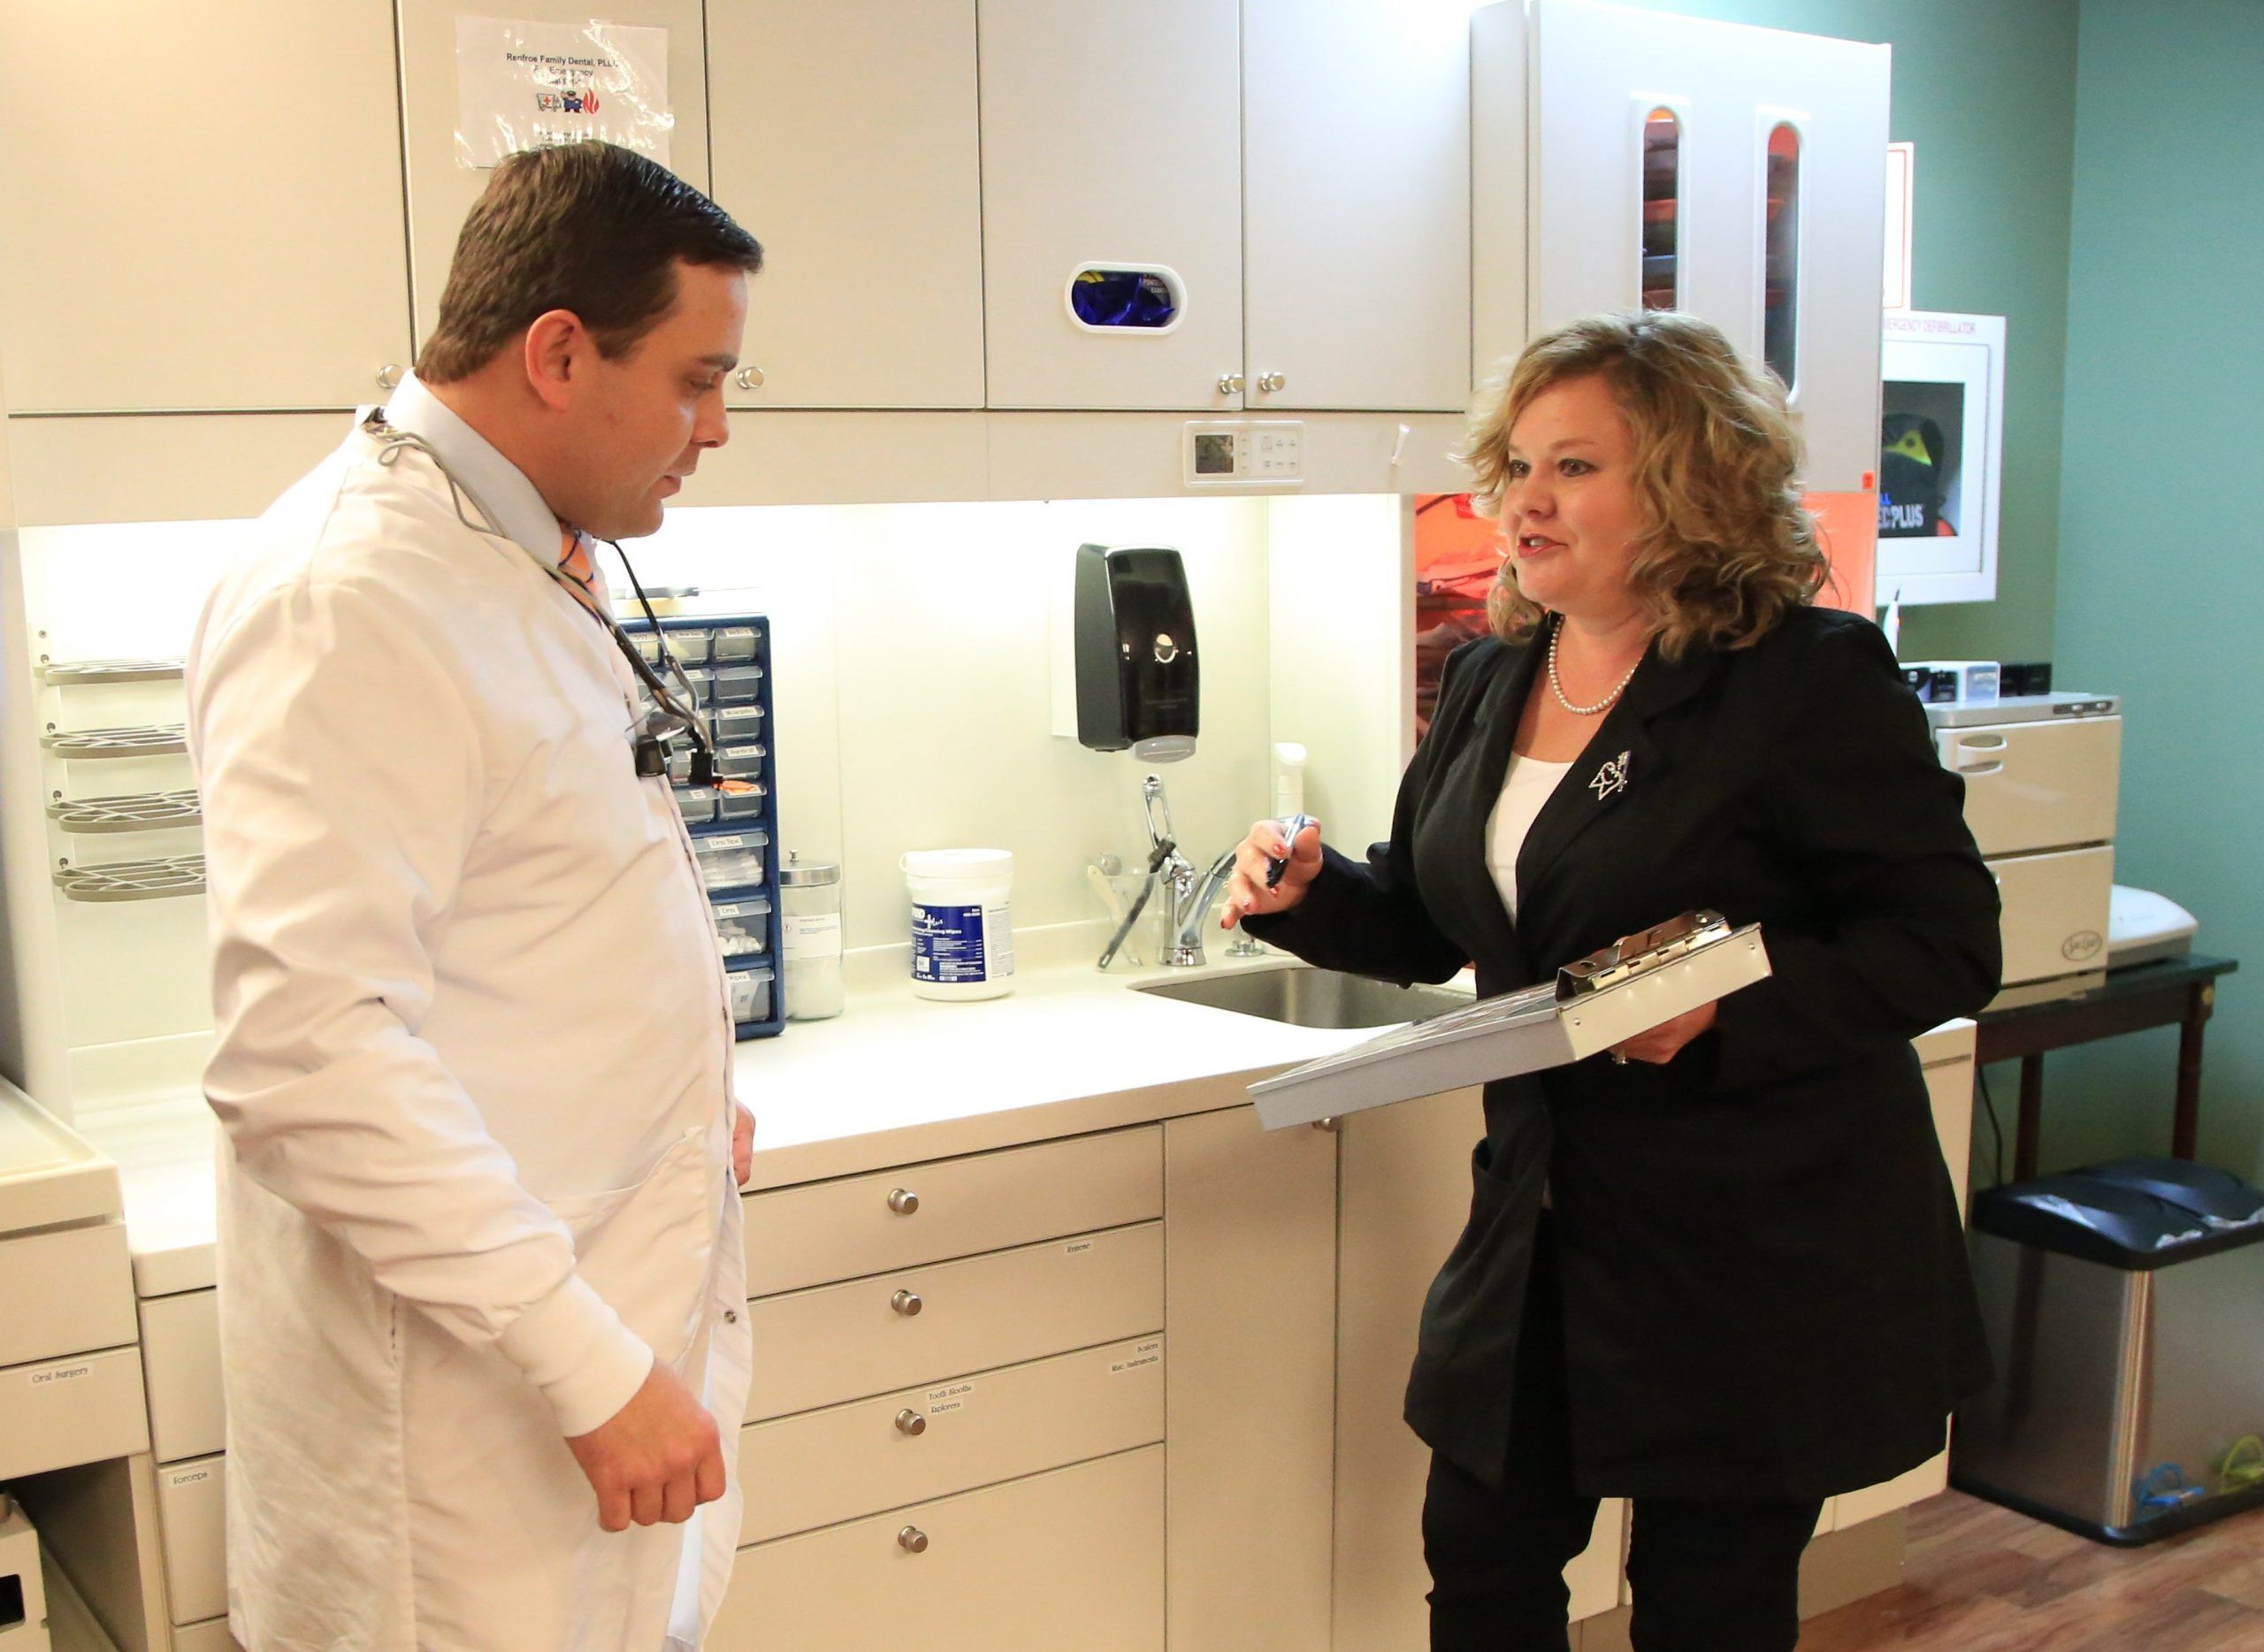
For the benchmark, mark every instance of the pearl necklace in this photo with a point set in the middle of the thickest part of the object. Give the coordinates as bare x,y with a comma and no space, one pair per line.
1556,683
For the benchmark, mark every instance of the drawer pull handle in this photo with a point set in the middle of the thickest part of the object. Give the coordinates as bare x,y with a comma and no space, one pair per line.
911,1422
905,1302
1329,1124
912,1540
903,1201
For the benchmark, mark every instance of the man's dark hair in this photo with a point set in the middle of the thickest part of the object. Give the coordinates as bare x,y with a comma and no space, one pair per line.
590,227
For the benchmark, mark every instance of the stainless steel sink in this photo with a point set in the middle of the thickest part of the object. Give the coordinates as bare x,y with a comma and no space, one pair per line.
1313,997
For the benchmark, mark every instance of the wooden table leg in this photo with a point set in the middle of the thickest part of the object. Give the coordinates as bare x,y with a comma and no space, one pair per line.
2185,1122
2029,1133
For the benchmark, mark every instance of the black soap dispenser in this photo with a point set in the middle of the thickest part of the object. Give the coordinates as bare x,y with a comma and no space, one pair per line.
1139,685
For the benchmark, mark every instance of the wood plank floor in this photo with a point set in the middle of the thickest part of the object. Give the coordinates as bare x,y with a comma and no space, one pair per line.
1981,1578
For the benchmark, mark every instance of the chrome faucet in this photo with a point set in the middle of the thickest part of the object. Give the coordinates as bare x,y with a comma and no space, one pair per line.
1190,897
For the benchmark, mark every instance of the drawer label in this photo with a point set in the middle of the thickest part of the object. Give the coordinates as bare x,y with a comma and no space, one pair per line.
64,1373
951,1398
1077,1247
188,1477
1145,1354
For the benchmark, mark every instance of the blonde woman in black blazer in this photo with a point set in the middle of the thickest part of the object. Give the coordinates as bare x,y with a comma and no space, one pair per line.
1748,1290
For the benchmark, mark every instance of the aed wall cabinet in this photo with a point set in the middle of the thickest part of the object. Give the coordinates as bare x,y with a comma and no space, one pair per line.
1941,440
1676,162
202,218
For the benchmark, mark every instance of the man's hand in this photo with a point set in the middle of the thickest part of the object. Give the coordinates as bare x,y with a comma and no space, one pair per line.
657,1458
743,1145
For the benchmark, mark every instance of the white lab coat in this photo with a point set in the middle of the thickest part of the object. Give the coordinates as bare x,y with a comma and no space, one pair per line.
474,1066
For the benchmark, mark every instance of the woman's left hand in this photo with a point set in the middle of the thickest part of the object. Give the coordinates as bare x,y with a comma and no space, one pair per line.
1664,1041
742,1144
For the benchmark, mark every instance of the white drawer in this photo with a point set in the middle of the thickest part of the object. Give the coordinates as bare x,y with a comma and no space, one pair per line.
62,1412
826,1466
2055,910
948,1207
193,1513
838,1342
1073,1558
2037,785
205,1637
66,1291
180,1353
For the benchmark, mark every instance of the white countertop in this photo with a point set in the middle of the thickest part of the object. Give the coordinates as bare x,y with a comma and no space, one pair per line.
893,1080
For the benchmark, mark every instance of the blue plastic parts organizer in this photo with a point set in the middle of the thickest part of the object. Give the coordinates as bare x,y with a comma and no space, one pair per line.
734,831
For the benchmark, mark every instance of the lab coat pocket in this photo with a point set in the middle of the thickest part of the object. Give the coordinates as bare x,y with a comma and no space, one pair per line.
649,1249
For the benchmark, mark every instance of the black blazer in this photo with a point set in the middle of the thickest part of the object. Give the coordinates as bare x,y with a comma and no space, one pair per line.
1765,1287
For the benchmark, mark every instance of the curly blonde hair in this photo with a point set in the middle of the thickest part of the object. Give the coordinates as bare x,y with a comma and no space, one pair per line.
1728,550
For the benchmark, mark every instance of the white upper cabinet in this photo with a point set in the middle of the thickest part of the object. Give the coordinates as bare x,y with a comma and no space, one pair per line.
1111,203
1736,172
441,189
1356,231
845,141
199,210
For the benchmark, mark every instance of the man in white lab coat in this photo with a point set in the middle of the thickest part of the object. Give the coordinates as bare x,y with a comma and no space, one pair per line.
481,1287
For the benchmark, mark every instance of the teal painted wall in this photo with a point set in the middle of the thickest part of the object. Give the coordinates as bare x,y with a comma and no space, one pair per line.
2161,554
1985,89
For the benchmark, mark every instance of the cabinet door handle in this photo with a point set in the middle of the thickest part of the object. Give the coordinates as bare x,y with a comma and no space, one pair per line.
911,1422
905,1302
1229,384
913,1540
389,376
748,379
1329,1124
1270,382
903,1201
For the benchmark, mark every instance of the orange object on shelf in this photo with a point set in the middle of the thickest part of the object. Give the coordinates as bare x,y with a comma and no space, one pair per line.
1847,528
1457,557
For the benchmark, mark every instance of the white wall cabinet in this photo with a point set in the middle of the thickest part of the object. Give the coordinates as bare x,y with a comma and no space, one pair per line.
845,141
441,189
1735,172
203,214
1111,138
1355,203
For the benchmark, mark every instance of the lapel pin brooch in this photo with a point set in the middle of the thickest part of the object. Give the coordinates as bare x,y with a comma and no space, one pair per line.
1611,778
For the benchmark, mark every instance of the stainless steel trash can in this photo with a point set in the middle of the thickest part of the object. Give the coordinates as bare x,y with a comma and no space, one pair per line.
2125,1307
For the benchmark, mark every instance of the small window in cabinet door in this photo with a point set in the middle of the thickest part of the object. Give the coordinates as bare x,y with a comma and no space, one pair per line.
1780,264
1662,227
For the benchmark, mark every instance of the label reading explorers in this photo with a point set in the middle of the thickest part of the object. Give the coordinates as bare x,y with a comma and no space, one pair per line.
947,943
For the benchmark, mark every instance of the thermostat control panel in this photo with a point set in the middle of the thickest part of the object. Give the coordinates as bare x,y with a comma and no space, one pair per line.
1263,453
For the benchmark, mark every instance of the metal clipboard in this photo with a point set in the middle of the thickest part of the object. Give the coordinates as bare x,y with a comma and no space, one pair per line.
1597,1002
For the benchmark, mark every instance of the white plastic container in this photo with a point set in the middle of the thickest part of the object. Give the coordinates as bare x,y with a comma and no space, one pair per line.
962,924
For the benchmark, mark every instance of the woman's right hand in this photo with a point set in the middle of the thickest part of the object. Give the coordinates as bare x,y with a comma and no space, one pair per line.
1246,891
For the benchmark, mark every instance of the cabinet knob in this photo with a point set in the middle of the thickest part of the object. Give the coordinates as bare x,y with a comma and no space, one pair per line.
1229,384
910,1422
1273,381
903,1201
913,1540
389,376
1329,1124
749,378
905,1302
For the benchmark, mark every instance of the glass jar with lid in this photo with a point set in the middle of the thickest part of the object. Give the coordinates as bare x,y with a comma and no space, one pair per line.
809,946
